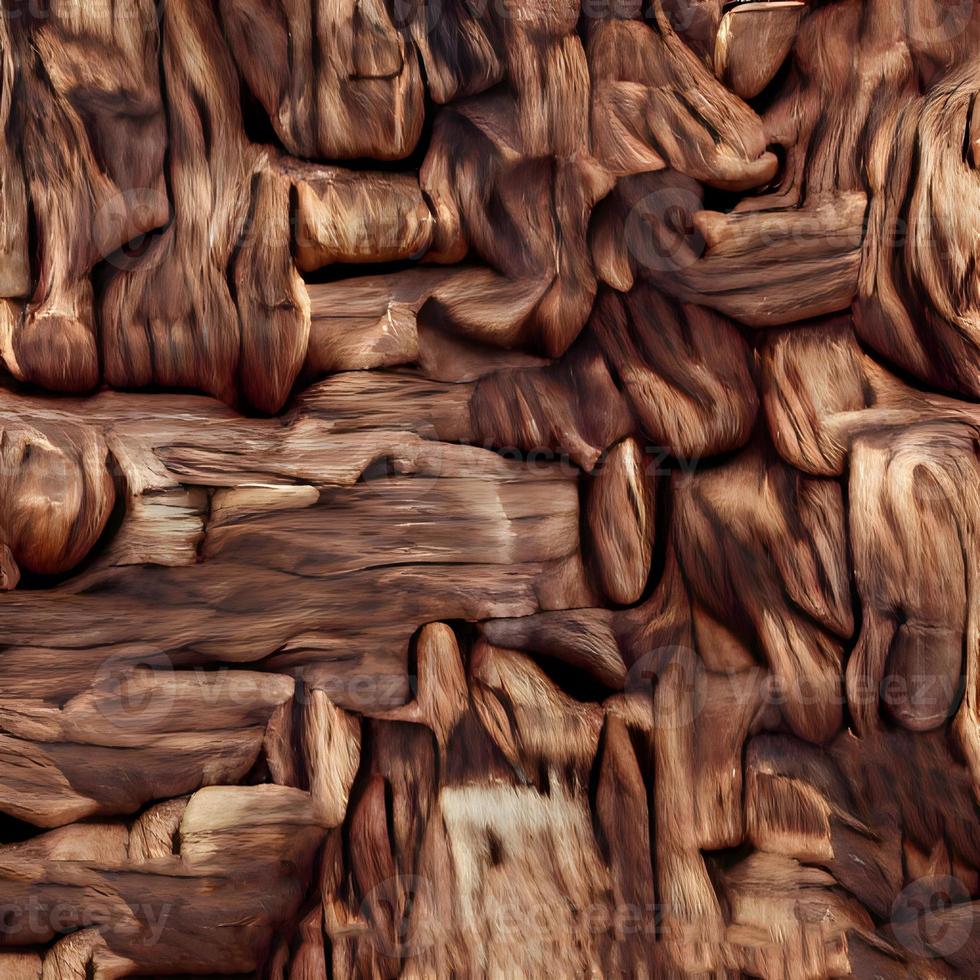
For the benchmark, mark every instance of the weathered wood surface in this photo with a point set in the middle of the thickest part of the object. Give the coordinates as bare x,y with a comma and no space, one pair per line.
489,489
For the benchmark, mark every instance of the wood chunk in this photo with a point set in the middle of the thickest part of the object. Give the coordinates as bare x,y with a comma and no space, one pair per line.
125,706
752,43
727,708
283,821
777,266
168,318
331,743
459,46
679,364
15,271
644,72
547,67
622,816
825,117
951,932
88,82
57,495
541,725
572,408
810,374
519,200
621,514
181,731
692,924
815,425
336,83
918,304
441,693
780,573
485,307
913,497
273,304
410,764
349,216
584,639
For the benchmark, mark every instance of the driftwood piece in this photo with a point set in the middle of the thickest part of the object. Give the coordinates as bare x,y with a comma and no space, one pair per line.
90,124
622,518
918,250
793,599
489,489
753,41
645,72
335,82
319,484
15,271
674,361
176,911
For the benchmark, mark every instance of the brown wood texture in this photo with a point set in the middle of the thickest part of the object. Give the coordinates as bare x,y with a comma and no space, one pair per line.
489,489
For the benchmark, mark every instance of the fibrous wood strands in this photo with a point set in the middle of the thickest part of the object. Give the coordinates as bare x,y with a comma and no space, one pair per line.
489,489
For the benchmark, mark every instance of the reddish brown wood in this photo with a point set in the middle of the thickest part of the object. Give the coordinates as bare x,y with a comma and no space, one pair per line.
489,489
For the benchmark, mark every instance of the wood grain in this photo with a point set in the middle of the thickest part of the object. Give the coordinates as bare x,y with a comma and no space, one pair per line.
489,490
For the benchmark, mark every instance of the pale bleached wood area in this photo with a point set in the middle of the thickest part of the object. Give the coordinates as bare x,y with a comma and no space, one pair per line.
489,489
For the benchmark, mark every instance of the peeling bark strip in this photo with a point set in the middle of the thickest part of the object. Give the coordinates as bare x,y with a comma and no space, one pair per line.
489,489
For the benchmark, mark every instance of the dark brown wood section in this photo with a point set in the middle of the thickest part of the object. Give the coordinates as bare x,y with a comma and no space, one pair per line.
489,488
